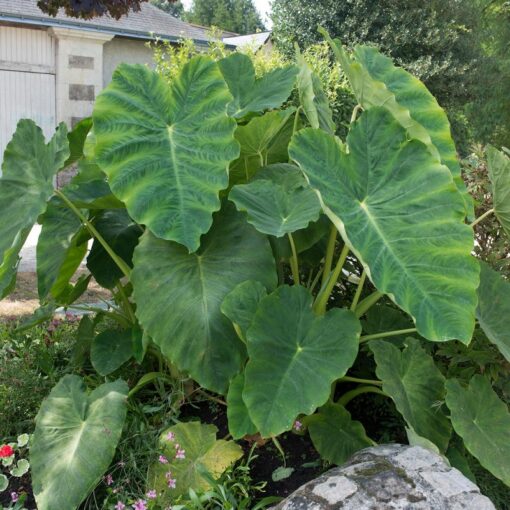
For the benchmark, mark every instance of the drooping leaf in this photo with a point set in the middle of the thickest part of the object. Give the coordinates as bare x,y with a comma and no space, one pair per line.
312,97
294,357
240,305
121,233
110,350
278,200
140,342
498,165
335,435
493,312
401,214
260,144
76,139
84,339
28,168
74,441
166,150
458,460
253,94
483,422
179,295
42,314
203,454
376,81
239,421
413,381
383,318
60,249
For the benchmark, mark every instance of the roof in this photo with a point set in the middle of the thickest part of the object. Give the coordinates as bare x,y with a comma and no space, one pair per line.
148,23
254,40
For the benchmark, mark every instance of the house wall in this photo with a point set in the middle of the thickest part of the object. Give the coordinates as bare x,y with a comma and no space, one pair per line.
119,50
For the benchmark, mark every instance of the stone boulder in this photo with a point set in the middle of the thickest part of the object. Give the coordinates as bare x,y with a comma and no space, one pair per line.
395,477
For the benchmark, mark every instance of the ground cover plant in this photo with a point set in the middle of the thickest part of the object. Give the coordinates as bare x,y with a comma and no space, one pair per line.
272,265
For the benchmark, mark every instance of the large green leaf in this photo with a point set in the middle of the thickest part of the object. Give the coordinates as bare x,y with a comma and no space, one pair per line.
483,422
264,140
203,455
179,295
239,421
411,378
166,150
121,233
28,168
60,248
335,435
400,213
376,81
498,165
294,357
252,94
278,200
110,350
493,312
313,98
74,441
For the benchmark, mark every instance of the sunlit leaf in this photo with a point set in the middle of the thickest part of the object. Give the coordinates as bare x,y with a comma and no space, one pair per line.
498,165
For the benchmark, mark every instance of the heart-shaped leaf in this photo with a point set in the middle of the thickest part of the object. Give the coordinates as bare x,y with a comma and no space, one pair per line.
239,421
110,350
411,378
399,211
294,357
493,312
335,435
278,200
28,168
483,422
202,456
498,165
182,293
21,468
253,94
74,441
166,150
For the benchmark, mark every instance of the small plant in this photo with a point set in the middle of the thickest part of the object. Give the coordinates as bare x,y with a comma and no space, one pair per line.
14,465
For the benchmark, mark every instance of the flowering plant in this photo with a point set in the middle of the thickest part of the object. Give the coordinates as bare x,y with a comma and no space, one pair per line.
14,465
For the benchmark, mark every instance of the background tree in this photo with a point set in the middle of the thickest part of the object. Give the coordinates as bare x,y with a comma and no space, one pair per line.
238,16
174,8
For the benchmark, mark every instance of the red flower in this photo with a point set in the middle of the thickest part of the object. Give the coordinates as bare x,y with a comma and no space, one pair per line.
6,451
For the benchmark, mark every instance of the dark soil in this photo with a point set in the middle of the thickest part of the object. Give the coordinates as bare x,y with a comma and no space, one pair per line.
21,486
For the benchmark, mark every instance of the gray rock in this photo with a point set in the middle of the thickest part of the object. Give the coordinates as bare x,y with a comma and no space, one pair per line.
390,477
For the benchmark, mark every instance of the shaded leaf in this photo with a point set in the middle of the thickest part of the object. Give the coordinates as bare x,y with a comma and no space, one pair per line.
400,213
110,350
498,165
239,421
76,139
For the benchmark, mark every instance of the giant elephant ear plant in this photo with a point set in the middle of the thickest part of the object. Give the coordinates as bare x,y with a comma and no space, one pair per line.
208,214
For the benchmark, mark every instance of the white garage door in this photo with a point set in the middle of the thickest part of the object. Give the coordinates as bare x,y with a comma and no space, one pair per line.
27,80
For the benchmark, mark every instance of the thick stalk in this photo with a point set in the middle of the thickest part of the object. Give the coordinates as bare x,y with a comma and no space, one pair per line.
330,252
482,217
294,263
347,397
355,111
126,270
349,379
359,290
367,303
387,334
322,299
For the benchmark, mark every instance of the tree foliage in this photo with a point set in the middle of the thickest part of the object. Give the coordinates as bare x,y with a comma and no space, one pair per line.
175,7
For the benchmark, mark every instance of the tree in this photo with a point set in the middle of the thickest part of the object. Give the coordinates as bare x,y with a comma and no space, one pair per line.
238,16
174,8
435,40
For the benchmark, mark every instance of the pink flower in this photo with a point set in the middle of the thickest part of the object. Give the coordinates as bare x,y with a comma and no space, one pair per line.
170,436
152,494
14,497
108,479
171,482
298,425
181,454
120,505
163,459
141,504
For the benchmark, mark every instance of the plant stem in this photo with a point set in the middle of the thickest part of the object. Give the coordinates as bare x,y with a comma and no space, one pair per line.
126,270
210,397
387,334
280,449
322,299
296,120
347,397
360,381
359,290
294,263
355,111
330,252
367,303
127,305
316,279
482,217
